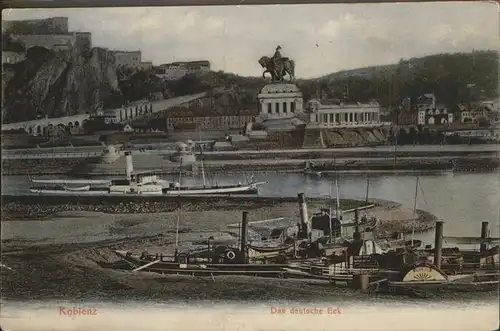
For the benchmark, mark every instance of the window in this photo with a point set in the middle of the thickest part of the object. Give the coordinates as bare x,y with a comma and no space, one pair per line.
292,107
277,105
284,107
269,108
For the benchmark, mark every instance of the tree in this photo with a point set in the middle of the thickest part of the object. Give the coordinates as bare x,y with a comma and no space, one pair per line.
483,122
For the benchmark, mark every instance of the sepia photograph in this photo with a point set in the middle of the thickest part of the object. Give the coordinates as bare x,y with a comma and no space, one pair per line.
241,166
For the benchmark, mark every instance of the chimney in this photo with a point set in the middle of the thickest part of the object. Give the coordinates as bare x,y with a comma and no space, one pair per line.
129,165
304,217
244,232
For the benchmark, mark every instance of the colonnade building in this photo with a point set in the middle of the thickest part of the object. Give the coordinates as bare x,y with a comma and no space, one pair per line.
343,115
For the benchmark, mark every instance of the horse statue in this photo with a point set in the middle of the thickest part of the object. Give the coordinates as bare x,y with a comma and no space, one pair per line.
278,69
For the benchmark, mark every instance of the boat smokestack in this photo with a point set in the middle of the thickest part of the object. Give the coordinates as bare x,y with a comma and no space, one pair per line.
356,235
129,164
304,216
244,232
484,235
438,243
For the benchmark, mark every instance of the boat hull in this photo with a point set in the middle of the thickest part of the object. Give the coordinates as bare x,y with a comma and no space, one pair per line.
248,189
71,181
158,265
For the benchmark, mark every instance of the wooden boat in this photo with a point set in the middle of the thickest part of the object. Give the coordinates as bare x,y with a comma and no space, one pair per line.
312,172
272,249
165,265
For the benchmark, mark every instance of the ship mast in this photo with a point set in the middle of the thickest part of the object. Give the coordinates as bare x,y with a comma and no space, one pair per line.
330,213
414,212
367,187
178,211
337,197
201,160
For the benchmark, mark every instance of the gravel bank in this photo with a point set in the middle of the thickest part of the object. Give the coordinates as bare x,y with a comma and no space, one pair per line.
27,207
69,263
68,269
394,217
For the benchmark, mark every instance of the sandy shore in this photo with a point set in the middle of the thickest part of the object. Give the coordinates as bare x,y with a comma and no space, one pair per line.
208,213
61,255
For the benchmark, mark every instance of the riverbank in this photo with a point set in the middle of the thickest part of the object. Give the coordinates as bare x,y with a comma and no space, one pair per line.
93,167
66,247
217,211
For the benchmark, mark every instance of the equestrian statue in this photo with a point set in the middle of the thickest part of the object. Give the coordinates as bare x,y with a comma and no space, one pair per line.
278,66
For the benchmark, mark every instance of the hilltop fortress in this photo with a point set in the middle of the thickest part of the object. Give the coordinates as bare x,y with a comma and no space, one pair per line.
51,33
54,34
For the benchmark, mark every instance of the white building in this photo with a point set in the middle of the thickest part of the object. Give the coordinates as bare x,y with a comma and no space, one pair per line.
177,70
431,113
280,101
433,116
127,128
344,115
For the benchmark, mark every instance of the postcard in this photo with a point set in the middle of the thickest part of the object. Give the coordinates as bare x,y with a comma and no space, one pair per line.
251,167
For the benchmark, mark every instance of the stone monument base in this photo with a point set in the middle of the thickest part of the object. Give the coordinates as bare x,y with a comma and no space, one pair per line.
280,100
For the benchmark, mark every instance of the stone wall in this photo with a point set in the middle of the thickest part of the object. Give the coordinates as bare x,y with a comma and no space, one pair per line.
275,140
325,138
53,25
313,139
47,41
128,59
353,137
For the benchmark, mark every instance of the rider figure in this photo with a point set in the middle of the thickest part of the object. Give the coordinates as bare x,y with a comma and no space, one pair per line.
277,54
277,57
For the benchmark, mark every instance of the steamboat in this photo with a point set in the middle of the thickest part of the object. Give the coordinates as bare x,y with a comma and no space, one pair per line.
143,184
394,266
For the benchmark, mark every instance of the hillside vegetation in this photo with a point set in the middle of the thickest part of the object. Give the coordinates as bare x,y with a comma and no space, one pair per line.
453,78
66,83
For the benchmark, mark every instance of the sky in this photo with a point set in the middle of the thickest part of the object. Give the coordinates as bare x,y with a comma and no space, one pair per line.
321,39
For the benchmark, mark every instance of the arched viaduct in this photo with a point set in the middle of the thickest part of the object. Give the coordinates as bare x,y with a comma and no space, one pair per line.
50,126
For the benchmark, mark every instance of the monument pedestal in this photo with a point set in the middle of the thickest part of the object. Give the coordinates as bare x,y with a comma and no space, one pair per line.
279,100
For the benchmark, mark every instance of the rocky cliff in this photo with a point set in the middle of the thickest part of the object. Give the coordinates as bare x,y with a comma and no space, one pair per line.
60,83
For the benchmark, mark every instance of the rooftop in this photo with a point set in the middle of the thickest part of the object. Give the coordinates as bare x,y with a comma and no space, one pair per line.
177,112
342,105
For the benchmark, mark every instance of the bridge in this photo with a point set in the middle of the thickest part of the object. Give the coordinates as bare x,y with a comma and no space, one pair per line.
124,114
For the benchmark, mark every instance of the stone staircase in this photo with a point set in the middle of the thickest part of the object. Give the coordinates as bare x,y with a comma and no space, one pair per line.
313,138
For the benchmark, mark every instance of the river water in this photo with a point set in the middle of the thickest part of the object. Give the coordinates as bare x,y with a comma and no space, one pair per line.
462,200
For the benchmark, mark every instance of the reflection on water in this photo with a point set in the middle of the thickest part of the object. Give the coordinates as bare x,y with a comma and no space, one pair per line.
462,200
